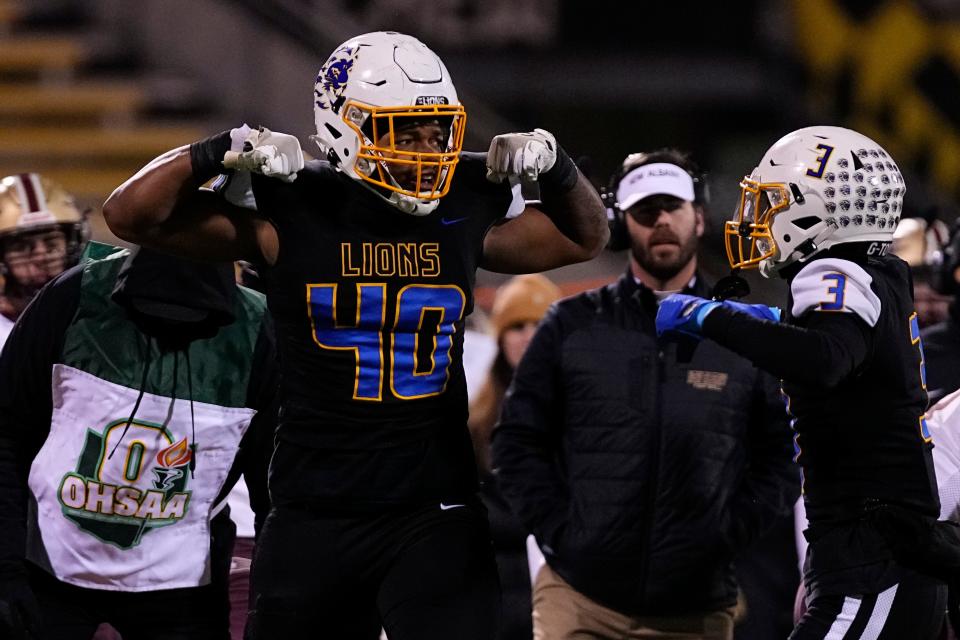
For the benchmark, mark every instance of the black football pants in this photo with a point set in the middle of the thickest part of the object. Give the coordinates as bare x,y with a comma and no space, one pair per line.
422,574
913,608
856,590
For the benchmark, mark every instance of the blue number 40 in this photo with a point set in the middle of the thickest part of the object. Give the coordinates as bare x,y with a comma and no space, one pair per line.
422,312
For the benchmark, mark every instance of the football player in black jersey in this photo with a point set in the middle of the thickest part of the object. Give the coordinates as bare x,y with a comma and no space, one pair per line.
820,211
369,259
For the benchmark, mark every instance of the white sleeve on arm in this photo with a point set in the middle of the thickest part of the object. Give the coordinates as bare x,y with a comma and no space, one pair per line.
837,286
943,420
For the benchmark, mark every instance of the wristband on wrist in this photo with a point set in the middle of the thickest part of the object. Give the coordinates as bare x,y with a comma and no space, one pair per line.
561,177
206,156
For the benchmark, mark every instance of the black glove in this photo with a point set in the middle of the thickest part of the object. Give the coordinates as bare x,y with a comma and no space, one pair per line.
19,611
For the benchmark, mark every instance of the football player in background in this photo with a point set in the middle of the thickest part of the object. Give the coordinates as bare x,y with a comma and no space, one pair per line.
42,233
941,341
368,258
920,243
820,210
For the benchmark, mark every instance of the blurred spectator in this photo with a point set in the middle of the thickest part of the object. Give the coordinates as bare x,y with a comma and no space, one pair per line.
641,466
113,486
941,342
42,233
518,307
459,24
919,242
479,351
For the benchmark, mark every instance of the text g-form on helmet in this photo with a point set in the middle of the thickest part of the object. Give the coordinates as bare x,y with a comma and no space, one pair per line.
813,189
368,88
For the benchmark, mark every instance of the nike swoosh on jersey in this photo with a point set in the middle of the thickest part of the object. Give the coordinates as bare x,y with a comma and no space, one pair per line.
445,221
447,507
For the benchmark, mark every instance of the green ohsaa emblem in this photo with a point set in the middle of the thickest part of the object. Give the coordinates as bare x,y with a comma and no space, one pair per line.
121,497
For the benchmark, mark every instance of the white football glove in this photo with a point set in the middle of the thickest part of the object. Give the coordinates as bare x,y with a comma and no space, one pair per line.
276,155
523,156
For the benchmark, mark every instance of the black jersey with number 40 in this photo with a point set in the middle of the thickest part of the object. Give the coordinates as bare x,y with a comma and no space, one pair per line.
867,437
369,305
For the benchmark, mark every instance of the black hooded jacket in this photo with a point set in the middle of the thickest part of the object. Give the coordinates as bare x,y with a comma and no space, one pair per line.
172,302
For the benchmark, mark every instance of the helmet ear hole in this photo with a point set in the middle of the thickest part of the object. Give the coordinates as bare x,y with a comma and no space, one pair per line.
806,223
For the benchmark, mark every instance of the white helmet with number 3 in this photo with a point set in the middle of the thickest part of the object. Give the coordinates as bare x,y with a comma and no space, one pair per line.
368,88
815,188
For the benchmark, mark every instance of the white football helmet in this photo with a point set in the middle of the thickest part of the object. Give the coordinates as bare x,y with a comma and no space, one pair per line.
815,188
367,89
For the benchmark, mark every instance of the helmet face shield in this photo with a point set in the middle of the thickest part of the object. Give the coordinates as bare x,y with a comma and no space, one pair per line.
42,232
33,258
748,237
425,175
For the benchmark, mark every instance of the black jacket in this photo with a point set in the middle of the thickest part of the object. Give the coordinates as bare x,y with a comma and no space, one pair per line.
640,464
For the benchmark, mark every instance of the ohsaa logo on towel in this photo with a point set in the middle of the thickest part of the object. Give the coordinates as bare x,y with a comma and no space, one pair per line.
119,498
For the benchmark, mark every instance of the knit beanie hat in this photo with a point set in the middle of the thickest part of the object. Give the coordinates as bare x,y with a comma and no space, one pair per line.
522,299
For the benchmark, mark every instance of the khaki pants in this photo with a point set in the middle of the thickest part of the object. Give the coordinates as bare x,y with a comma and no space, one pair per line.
561,613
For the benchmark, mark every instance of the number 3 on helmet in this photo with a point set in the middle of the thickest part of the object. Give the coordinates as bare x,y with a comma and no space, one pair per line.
369,88
815,188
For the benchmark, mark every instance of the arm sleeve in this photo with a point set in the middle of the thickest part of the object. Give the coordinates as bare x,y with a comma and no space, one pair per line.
821,351
526,442
26,403
772,481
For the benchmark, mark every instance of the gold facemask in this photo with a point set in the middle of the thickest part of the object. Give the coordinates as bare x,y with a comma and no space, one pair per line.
374,162
748,237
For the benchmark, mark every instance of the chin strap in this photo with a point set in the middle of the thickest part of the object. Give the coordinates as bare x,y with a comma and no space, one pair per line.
407,204
411,205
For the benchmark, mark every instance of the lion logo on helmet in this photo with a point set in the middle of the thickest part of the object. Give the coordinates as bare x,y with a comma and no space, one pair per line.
333,78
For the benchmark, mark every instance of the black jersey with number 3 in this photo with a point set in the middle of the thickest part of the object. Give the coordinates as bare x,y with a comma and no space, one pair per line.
369,304
867,437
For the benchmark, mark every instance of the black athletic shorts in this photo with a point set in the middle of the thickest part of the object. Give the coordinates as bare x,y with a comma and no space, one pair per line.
421,573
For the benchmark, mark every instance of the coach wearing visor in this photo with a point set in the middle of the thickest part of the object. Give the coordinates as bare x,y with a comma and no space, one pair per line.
641,465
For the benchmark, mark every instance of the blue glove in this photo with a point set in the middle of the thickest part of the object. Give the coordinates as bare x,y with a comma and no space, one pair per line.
683,314
758,311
